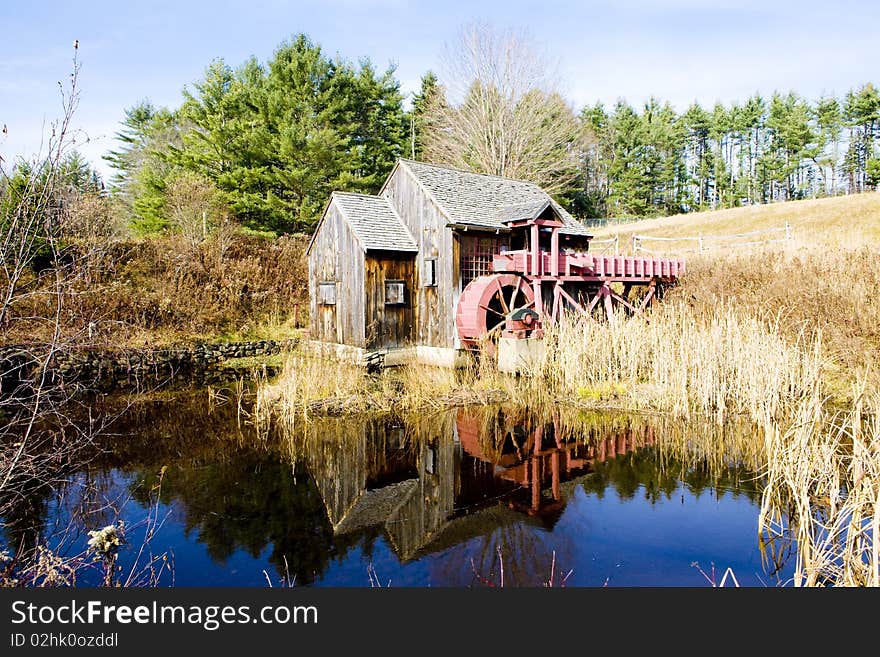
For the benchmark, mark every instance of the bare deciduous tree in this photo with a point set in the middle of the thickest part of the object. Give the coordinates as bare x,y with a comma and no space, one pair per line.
498,112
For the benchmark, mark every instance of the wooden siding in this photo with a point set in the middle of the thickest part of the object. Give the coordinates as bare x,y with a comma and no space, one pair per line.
336,255
388,325
433,307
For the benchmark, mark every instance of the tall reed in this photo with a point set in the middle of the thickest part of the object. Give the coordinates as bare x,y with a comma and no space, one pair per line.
309,385
823,492
716,363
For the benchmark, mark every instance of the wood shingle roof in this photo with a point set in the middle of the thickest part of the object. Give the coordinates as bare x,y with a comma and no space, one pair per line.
476,199
374,222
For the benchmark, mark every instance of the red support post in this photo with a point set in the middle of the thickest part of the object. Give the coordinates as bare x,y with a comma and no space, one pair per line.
539,299
554,469
609,305
536,251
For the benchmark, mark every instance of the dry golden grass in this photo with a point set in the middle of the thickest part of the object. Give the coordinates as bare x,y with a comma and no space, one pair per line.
825,281
822,492
713,361
310,386
811,293
842,221
152,292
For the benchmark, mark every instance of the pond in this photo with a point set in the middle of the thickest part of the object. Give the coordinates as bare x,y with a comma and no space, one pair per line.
462,497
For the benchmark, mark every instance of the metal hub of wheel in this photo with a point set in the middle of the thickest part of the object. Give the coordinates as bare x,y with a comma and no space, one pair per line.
484,304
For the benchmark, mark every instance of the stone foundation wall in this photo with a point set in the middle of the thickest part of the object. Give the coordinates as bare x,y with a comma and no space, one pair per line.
108,368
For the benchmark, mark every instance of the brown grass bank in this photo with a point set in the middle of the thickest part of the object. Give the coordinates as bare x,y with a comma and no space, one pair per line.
157,291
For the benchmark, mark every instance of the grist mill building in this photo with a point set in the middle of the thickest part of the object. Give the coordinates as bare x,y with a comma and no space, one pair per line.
386,271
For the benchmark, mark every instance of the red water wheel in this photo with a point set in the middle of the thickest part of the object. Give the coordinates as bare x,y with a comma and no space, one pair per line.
485,302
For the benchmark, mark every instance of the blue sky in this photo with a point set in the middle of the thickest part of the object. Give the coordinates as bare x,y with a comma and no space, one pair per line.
677,50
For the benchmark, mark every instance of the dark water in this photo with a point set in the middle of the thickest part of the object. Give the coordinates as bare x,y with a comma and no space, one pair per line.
447,500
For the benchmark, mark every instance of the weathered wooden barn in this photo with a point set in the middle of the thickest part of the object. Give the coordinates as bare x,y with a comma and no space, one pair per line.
386,271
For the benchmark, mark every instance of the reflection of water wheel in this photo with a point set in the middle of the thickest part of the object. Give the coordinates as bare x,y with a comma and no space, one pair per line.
483,305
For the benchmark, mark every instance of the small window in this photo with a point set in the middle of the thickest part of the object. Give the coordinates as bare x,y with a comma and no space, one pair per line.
327,294
394,293
429,272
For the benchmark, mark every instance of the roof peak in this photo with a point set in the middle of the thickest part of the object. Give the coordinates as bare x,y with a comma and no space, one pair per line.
336,191
472,173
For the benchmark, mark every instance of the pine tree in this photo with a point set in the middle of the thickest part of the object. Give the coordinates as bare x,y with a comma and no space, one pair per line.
862,115
720,130
630,188
277,139
752,117
697,123
429,93
589,198
143,165
380,126
829,122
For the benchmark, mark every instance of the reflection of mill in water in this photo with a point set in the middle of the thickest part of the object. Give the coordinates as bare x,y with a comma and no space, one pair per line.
427,487
536,457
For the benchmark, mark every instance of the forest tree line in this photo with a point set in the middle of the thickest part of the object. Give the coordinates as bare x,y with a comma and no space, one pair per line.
655,161
263,145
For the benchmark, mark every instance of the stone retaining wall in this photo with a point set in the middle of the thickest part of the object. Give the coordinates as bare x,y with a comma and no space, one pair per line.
109,368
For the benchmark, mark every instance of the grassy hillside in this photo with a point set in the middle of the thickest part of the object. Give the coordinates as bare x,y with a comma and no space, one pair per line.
843,221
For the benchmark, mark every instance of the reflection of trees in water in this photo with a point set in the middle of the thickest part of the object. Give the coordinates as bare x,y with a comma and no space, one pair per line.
25,518
251,501
239,497
527,554
183,426
235,491
660,478
57,516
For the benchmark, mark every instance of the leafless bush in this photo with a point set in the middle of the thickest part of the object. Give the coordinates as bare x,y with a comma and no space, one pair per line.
40,264
194,207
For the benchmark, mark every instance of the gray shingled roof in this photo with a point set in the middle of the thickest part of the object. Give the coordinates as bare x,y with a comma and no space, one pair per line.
477,199
521,211
374,507
375,222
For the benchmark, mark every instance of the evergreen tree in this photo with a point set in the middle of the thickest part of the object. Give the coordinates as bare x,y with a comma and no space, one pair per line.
829,124
380,127
590,196
133,138
699,157
429,93
276,140
630,186
752,117
862,115
872,170
721,127
143,166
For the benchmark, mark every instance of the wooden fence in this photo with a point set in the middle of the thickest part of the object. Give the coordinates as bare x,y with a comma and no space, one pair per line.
705,243
611,245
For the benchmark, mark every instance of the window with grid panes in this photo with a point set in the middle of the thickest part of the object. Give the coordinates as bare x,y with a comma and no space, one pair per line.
476,254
